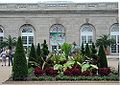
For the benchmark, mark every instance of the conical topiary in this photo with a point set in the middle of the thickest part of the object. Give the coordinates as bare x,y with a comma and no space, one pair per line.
39,55
93,50
82,49
32,55
87,51
20,69
102,58
45,50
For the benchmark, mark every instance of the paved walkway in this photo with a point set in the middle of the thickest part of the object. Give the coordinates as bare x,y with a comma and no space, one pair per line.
5,72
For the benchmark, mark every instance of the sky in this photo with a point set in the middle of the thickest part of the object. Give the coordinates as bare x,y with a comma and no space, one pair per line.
35,1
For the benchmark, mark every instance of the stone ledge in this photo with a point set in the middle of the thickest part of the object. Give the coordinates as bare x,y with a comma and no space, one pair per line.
57,82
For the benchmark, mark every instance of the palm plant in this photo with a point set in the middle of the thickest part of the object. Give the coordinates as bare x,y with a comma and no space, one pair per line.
105,41
8,42
66,48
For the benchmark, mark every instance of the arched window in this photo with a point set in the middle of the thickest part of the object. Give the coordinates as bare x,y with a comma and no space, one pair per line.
86,34
114,32
27,33
57,36
1,33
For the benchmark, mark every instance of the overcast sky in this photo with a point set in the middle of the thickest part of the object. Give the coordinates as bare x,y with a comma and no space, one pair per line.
35,1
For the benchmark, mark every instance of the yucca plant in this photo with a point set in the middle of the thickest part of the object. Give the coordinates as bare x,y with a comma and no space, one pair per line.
8,42
105,41
66,48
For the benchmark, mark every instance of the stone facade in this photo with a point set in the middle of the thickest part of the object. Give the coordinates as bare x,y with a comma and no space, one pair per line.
71,15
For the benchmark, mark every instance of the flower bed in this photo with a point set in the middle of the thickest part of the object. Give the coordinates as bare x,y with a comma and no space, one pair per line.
76,78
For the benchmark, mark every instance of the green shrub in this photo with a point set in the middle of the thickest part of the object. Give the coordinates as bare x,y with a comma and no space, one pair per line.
102,58
34,78
32,56
87,51
45,50
39,55
20,69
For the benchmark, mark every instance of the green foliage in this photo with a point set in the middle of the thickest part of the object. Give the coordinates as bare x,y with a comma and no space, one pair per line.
9,42
39,55
66,48
87,50
89,78
58,67
105,41
93,50
32,55
68,64
57,58
30,71
20,69
82,49
102,58
45,50
78,57
88,67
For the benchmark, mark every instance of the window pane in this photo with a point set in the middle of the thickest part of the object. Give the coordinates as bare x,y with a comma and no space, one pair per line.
113,49
83,39
24,39
115,28
30,39
57,28
89,39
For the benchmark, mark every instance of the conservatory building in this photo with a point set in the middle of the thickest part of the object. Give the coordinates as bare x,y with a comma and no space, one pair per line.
60,22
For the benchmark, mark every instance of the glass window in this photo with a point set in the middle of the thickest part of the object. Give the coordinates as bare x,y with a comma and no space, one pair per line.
83,39
57,36
30,39
89,39
115,35
24,39
27,34
86,34
1,33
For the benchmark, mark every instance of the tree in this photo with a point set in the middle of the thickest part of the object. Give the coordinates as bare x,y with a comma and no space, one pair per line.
45,50
39,55
9,42
82,49
87,50
93,50
102,58
105,41
32,56
20,69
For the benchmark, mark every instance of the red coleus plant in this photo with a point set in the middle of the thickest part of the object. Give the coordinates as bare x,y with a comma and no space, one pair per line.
75,70
104,71
38,71
86,73
50,71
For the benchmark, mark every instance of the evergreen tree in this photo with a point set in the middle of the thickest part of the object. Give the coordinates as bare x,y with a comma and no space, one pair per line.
19,68
87,50
102,58
93,50
32,55
39,55
82,49
45,50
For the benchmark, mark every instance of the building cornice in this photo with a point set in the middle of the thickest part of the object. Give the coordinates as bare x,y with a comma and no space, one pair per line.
58,6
